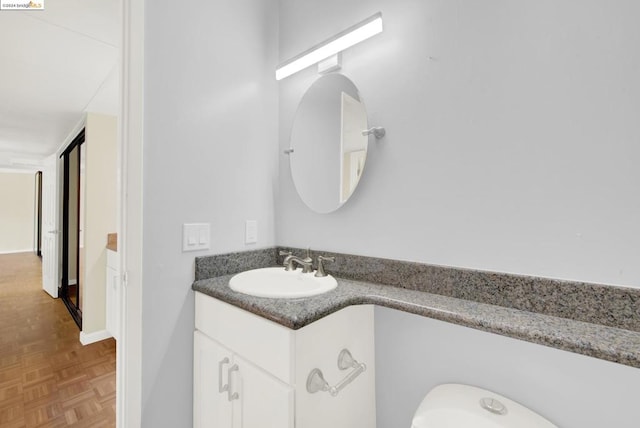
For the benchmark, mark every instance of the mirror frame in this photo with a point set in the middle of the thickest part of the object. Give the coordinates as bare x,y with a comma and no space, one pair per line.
328,147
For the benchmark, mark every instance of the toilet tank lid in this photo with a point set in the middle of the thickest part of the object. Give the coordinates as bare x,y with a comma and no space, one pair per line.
454,405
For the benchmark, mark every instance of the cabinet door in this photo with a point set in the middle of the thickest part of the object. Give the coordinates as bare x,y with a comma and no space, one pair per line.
211,407
263,400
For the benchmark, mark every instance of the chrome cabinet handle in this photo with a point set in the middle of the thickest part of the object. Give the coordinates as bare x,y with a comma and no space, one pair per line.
221,387
232,395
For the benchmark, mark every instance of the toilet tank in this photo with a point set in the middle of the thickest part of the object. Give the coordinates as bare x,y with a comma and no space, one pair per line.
454,405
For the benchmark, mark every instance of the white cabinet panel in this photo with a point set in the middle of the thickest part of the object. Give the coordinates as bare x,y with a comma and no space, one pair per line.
269,345
230,392
318,346
113,296
211,408
264,401
267,367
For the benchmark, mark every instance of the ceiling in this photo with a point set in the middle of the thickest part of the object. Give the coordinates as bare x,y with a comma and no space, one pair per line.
55,64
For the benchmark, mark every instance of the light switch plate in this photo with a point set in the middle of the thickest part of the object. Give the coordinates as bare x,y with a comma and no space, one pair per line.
196,236
251,232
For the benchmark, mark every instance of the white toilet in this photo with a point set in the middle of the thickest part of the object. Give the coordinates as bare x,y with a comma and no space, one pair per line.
462,406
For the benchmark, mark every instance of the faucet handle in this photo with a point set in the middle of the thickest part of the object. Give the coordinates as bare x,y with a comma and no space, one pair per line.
320,272
285,253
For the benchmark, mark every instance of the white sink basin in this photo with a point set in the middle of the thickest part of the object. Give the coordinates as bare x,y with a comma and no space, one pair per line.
278,283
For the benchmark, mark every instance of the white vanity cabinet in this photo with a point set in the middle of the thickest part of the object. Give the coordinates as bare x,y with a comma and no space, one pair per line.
236,381
232,392
212,408
251,372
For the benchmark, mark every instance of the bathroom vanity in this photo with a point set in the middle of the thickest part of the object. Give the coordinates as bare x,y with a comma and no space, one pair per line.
252,372
248,345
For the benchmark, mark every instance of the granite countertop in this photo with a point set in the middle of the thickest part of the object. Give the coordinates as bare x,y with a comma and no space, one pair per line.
595,340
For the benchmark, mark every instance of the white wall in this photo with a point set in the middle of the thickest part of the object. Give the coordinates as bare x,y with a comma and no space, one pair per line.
512,140
510,146
100,213
106,100
210,155
414,354
17,193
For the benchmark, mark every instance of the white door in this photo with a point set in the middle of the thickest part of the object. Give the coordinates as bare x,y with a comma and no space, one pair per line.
212,366
263,401
50,232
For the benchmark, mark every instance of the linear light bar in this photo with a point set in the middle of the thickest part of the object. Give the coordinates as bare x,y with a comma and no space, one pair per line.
341,41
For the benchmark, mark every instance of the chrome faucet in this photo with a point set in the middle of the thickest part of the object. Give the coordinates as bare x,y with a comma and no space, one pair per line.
290,260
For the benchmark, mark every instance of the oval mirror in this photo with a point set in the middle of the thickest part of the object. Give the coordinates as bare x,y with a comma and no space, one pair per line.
329,150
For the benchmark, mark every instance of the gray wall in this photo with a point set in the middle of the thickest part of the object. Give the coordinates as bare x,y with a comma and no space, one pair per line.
414,354
512,137
512,146
210,155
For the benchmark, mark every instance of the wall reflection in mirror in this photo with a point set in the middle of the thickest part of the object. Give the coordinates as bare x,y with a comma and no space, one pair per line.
329,148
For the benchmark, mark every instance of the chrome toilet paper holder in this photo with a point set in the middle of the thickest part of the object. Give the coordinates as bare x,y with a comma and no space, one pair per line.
316,381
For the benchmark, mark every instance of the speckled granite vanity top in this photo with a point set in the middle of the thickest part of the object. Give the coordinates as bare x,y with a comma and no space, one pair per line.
588,335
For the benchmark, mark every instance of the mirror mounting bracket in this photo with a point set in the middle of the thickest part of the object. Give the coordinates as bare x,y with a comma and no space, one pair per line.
377,132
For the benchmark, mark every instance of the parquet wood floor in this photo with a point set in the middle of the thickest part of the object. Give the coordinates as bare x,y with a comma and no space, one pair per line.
47,378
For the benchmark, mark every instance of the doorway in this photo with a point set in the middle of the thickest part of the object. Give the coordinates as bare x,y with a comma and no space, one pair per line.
37,215
72,225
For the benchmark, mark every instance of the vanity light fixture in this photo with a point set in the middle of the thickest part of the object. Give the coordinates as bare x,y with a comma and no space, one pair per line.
341,41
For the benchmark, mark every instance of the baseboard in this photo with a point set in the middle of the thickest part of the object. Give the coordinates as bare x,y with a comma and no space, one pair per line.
54,294
96,336
18,251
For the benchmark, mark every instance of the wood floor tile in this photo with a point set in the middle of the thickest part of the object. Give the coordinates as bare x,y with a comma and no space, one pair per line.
104,387
65,358
11,411
44,415
32,375
47,378
18,423
34,358
70,375
99,367
12,373
43,392
9,390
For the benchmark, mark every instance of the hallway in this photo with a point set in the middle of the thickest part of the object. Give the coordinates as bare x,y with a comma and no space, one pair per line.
47,378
